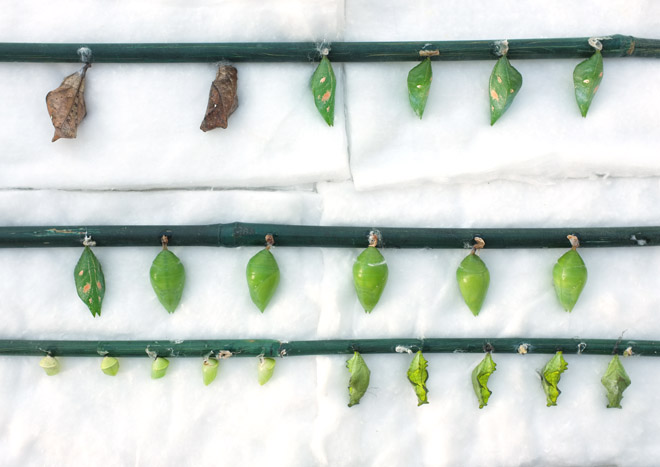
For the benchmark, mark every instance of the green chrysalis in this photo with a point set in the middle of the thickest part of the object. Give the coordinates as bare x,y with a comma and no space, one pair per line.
263,276
210,368
370,275
50,365
323,87
419,85
110,366
168,278
480,377
90,283
265,369
417,375
615,380
569,276
159,367
586,79
359,381
505,82
550,376
473,278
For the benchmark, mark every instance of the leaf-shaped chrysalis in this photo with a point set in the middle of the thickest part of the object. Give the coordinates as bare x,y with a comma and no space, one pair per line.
615,380
473,278
324,84
223,98
210,368
419,85
480,377
418,375
359,381
90,283
50,365
159,367
370,275
110,365
168,277
505,82
550,376
569,275
586,79
265,369
66,105
263,276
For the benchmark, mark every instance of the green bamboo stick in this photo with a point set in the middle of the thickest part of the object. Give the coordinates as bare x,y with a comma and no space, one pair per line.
245,234
574,47
276,348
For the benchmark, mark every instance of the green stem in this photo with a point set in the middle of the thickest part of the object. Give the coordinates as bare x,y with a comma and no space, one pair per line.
574,47
245,234
275,348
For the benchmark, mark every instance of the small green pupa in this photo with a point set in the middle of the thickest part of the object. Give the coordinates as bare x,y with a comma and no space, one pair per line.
265,369
370,274
473,278
109,365
159,367
569,275
210,368
168,277
50,365
263,276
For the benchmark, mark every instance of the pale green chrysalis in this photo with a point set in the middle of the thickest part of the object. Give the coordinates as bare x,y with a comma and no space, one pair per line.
159,367
569,275
88,276
168,277
505,82
550,376
419,85
473,278
50,365
418,375
615,380
324,84
480,377
370,275
586,79
263,276
210,368
265,369
109,366
359,381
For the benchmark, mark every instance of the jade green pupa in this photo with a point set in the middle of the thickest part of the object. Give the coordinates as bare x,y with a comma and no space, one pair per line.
168,277
569,275
263,276
370,275
473,278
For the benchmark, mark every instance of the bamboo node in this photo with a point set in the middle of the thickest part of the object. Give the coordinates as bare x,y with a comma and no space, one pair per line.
85,54
501,47
596,43
87,241
403,349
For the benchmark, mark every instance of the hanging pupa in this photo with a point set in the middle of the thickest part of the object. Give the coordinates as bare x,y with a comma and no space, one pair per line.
569,275
223,98
323,84
210,368
159,367
473,278
418,375
88,276
550,376
359,381
265,369
168,277
263,275
109,366
419,85
370,274
615,380
505,82
480,376
66,104
50,365
587,77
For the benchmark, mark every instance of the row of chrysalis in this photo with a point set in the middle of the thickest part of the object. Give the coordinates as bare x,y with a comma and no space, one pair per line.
615,380
370,273
66,104
159,366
